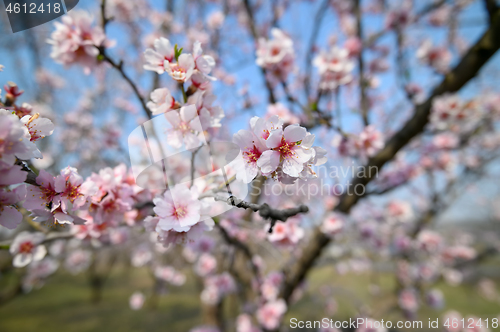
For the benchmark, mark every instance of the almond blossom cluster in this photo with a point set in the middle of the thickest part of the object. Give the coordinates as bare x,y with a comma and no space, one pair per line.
76,40
451,112
286,234
438,57
195,113
17,143
57,200
335,68
365,145
276,55
284,153
181,217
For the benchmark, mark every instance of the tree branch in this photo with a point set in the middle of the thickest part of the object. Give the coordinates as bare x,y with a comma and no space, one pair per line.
364,105
255,35
465,70
265,211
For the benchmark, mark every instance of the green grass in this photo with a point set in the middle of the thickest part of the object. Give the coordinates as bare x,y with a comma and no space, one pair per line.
63,304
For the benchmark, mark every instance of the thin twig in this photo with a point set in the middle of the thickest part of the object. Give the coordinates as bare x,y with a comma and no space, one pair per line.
265,211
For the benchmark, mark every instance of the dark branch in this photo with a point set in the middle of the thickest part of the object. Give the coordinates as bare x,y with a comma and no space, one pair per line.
364,104
265,211
255,35
466,69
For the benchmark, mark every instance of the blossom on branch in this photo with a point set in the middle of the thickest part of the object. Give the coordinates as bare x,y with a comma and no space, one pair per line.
76,40
276,55
334,67
159,58
26,248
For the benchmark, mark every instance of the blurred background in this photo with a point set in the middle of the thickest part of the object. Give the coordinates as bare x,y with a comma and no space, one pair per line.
429,223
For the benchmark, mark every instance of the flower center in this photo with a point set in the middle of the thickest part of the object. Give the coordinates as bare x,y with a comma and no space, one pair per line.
184,127
180,212
286,149
26,247
252,154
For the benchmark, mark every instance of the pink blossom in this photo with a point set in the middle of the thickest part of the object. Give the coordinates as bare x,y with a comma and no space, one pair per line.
159,59
286,151
78,261
335,68
318,157
398,18
127,11
453,277
445,141
270,314
354,46
10,217
178,209
437,57
215,20
15,139
73,192
333,224
27,247
39,196
191,237
186,127
276,54
458,252
449,111
76,39
348,24
216,287
114,196
370,141
244,324
183,69
262,128
408,300
271,286
399,211
251,148
68,194
11,174
203,63
282,112
169,274
136,301
209,116
141,256
161,101
441,15
206,265
38,271
273,51
38,127
287,233
203,245
429,241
